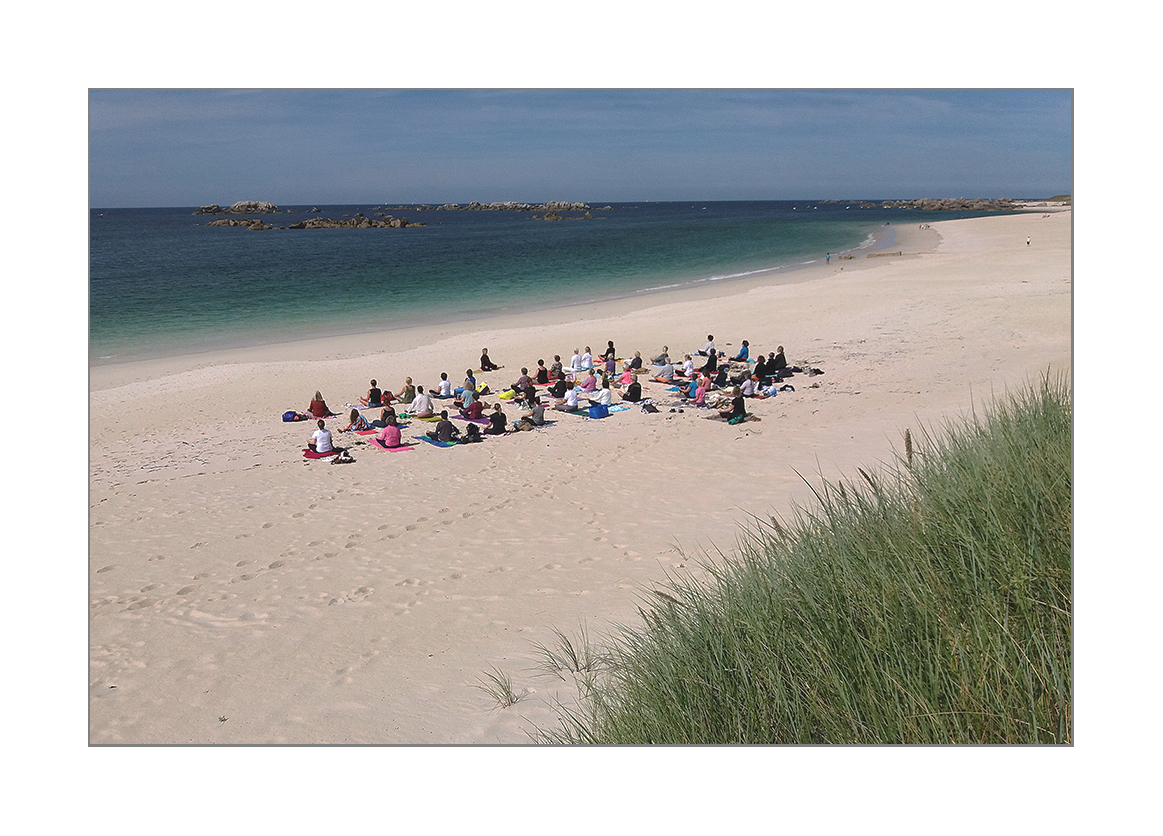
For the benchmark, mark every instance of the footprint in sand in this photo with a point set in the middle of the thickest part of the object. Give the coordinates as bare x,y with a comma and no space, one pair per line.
186,590
242,563
268,525
276,564
382,527
148,587
201,576
298,514
106,569
314,543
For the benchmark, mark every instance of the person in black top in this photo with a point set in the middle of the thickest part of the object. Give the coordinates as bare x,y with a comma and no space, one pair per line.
633,391
374,396
496,422
737,409
542,372
609,353
445,430
559,388
761,368
487,365
778,363
712,363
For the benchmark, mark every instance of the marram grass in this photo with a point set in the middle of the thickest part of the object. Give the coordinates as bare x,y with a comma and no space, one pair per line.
927,604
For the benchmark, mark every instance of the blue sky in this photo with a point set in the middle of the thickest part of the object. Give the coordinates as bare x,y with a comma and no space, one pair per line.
192,147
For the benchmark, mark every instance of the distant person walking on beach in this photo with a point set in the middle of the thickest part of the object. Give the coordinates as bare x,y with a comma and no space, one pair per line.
828,258
1027,240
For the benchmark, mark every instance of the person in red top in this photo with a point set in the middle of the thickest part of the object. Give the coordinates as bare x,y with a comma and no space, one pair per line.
473,411
318,408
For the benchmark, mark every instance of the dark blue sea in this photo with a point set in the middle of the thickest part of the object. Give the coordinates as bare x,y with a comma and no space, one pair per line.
163,283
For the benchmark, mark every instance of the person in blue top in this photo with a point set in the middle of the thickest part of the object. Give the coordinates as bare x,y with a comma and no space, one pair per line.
741,357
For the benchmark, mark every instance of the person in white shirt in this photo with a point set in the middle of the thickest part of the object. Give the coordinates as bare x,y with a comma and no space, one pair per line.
688,367
321,439
421,406
570,402
710,348
587,359
605,396
445,388
575,361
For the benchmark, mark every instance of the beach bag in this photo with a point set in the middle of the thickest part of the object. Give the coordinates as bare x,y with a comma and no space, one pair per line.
649,407
599,411
290,415
738,419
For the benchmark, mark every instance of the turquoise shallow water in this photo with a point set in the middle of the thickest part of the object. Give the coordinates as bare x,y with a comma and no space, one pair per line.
163,283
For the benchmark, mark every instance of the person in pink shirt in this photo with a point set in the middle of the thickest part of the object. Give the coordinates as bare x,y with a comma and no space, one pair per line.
389,436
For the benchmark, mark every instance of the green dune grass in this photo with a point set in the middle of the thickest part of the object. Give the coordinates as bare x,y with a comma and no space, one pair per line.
928,604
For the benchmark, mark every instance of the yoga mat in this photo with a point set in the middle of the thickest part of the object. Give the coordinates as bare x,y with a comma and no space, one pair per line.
308,453
434,442
483,421
379,445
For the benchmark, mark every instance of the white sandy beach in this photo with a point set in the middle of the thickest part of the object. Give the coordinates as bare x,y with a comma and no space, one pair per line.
241,594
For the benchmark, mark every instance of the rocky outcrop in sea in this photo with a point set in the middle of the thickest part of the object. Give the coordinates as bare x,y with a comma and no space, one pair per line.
1001,204
242,207
511,206
249,223
359,221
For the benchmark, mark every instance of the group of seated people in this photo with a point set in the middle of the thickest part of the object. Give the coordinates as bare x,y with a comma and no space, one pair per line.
565,390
